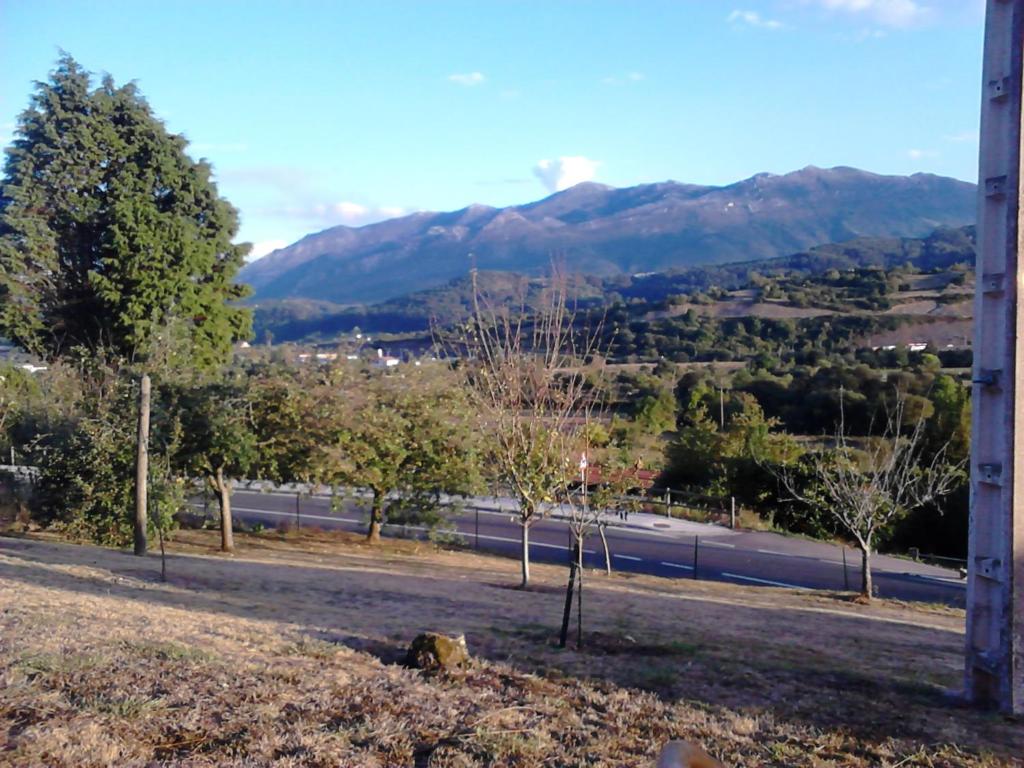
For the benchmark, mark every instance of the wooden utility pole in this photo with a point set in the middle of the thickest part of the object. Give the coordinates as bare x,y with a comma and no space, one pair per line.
142,466
994,668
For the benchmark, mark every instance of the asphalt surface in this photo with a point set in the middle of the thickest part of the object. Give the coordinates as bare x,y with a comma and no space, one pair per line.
643,544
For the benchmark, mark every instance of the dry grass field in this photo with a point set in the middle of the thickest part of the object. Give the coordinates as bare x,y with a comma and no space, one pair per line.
287,654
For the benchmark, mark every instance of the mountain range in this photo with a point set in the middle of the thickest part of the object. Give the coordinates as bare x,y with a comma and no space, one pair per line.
417,312
599,230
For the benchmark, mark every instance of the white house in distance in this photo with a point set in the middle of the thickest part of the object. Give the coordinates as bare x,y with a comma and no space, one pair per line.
385,361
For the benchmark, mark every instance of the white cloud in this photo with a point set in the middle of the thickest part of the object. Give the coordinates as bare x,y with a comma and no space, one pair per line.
629,77
350,211
888,13
753,19
870,34
565,172
963,137
921,154
331,214
262,247
467,78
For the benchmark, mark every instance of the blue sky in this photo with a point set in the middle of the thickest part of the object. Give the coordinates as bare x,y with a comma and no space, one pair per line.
322,113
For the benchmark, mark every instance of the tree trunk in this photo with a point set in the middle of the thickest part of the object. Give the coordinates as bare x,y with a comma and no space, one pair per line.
376,519
524,555
607,554
866,586
142,468
227,533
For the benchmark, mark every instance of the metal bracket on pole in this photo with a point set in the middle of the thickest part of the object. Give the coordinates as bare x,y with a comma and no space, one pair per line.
994,664
994,283
988,378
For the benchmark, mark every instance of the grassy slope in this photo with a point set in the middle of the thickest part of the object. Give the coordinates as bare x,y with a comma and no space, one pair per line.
284,655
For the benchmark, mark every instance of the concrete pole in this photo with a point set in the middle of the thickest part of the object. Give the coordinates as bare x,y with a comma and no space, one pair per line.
142,467
994,668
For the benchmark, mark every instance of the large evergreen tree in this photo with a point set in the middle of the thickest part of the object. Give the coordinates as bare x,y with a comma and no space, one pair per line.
111,237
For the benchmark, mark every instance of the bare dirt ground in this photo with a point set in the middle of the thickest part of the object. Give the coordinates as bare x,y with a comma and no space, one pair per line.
285,654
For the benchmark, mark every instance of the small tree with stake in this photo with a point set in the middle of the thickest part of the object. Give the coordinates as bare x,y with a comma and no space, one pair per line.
582,516
868,488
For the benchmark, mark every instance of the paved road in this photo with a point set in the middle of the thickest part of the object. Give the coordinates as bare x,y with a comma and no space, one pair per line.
646,544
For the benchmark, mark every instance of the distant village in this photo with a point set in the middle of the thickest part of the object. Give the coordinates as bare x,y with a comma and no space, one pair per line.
357,348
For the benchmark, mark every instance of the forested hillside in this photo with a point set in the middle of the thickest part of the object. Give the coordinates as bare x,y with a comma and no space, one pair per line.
881,291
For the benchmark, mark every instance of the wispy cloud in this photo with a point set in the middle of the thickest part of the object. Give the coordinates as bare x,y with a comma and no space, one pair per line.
886,13
277,178
629,77
343,212
963,137
869,33
263,247
296,198
467,78
921,154
753,19
565,172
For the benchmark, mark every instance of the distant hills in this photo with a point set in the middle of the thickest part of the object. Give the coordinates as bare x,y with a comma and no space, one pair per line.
304,319
597,230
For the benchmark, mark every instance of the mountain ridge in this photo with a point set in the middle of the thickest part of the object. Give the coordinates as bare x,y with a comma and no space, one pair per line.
444,305
601,230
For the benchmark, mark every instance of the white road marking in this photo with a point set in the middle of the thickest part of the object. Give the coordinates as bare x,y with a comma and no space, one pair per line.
761,581
302,516
939,579
334,518
467,508
951,581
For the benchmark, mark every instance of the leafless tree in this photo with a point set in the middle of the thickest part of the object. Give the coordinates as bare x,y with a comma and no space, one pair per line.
868,487
526,377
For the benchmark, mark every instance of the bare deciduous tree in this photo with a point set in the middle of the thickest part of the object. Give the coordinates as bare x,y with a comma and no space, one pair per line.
525,375
868,487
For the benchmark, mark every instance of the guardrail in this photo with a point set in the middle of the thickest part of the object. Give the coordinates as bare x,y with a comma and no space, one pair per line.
944,561
26,472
